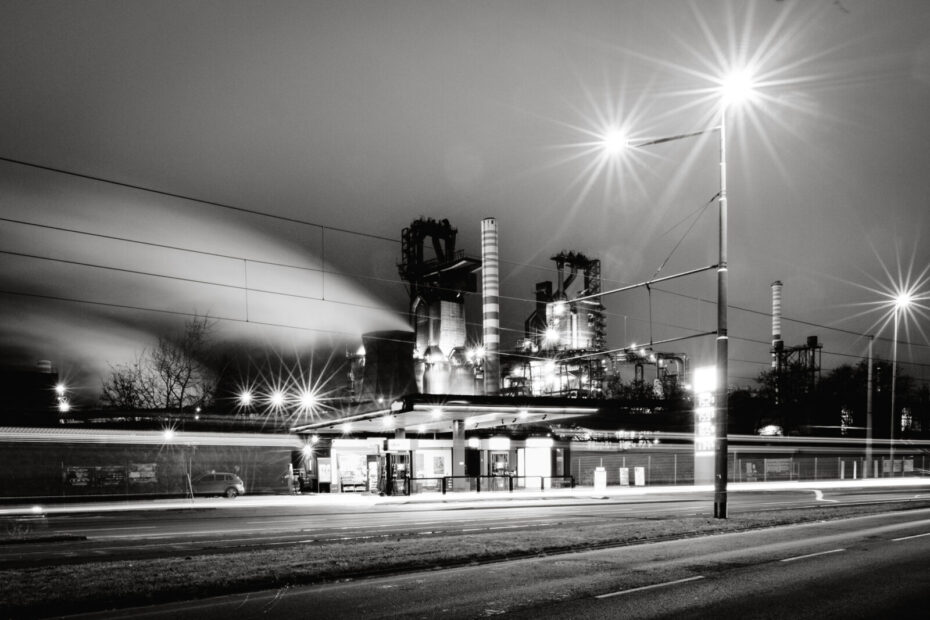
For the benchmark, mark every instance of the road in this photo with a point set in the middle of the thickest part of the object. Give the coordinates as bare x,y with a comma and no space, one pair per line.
864,567
214,525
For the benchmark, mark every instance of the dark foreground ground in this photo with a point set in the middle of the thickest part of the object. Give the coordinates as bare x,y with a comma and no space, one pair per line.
89,586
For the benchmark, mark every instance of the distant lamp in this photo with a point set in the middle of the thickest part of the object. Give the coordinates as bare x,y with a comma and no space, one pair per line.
307,400
245,398
737,87
903,300
615,141
475,354
551,336
60,389
63,405
705,379
277,398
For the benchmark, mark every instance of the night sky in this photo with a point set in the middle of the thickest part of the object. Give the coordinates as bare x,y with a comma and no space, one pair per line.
289,143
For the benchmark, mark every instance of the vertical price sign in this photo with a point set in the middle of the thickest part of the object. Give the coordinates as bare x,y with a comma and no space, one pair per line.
704,386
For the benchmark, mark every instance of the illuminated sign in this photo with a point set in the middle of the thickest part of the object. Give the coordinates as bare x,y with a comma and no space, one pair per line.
705,431
704,424
539,442
499,443
399,445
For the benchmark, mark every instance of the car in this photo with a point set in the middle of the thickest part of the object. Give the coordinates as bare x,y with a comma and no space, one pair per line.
218,483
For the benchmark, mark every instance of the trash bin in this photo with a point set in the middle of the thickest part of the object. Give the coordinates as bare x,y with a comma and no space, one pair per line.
640,476
600,479
624,476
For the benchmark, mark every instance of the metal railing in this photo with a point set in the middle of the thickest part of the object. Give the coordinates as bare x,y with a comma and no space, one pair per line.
490,484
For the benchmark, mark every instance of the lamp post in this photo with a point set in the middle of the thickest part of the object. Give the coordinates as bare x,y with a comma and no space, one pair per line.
720,445
901,302
735,88
868,414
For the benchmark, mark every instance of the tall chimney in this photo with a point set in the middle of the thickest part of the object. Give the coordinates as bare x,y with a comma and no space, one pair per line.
490,290
777,343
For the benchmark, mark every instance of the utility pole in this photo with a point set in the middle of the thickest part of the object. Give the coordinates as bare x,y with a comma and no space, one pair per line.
868,414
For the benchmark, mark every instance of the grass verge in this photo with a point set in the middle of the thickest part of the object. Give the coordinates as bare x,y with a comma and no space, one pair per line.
57,590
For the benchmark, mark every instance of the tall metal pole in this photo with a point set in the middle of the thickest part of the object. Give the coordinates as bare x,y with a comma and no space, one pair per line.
894,372
868,414
720,447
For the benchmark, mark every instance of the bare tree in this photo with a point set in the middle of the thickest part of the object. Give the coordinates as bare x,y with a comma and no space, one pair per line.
122,389
173,376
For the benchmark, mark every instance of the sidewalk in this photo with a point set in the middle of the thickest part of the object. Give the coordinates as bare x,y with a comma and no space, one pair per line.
487,498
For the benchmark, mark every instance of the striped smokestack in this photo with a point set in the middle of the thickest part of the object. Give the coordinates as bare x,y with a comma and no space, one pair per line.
490,289
776,321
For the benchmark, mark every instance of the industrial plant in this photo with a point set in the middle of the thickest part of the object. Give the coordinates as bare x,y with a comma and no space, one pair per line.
453,404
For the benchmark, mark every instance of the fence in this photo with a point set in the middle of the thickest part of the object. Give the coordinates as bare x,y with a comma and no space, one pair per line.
673,468
488,484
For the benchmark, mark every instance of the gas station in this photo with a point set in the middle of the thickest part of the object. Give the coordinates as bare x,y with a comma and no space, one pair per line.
426,443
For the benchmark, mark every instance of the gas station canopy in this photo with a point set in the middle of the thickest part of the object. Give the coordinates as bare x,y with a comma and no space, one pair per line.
432,413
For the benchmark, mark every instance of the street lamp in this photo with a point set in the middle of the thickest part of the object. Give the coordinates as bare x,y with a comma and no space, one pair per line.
901,302
737,87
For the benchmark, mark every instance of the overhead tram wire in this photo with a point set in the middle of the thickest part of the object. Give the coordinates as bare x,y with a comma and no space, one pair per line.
175,312
316,225
192,280
245,259
238,258
313,298
792,320
212,203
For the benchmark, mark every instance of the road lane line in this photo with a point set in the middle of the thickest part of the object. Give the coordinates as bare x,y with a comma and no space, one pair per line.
909,537
108,529
811,555
655,585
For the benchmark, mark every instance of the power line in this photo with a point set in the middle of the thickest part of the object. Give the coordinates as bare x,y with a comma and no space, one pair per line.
792,320
182,313
302,222
211,203
192,280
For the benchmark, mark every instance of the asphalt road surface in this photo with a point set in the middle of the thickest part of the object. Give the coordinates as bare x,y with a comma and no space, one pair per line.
145,530
865,567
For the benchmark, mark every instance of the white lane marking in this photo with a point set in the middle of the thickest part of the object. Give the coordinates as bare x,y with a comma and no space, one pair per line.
818,495
108,529
655,585
811,555
909,537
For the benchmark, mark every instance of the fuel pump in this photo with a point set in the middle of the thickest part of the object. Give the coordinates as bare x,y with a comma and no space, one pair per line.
395,472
